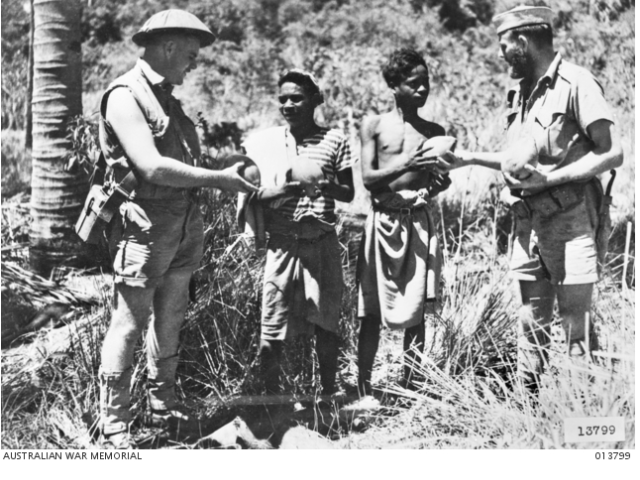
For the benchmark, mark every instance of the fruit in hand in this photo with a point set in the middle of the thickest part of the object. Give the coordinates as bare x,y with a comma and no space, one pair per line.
308,173
249,171
438,146
522,153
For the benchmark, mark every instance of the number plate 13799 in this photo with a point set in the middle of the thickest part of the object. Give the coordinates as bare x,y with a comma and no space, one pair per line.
594,429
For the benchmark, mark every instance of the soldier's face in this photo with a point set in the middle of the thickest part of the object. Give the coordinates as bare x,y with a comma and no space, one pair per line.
512,51
296,105
182,54
415,88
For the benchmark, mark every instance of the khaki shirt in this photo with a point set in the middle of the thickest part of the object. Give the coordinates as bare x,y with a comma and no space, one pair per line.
564,102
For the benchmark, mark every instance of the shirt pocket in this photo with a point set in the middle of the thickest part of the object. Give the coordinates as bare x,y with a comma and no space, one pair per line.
559,131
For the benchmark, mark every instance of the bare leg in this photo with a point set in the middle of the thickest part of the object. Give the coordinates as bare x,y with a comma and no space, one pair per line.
413,339
131,314
574,305
535,335
270,358
132,311
170,303
368,341
327,351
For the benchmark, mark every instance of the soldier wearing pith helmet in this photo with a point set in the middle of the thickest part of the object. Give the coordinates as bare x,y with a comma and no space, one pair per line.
152,150
560,136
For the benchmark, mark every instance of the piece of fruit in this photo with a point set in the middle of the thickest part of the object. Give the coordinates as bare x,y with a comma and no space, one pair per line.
249,171
523,152
438,146
308,173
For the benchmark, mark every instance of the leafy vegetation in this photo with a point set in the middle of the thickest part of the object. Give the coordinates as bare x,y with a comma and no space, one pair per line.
49,379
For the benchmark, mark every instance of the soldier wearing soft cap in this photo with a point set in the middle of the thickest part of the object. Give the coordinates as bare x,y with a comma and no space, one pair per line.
560,136
156,240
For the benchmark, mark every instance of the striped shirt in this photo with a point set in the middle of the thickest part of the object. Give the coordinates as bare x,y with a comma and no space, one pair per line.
329,148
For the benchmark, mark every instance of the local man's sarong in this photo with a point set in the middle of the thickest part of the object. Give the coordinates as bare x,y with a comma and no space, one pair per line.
400,259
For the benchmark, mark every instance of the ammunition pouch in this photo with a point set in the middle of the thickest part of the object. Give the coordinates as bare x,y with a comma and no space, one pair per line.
102,203
550,202
565,197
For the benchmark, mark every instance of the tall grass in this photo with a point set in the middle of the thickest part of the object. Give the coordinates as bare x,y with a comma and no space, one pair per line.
16,163
469,398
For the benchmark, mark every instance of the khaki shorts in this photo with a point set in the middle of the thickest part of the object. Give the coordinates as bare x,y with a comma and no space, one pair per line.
154,237
302,286
561,249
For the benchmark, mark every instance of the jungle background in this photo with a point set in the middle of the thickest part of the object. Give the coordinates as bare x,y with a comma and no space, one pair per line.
49,375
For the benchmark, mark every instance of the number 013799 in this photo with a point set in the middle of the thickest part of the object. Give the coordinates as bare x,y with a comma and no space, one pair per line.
594,429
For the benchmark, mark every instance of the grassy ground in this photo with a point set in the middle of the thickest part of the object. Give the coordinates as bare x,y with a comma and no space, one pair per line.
49,381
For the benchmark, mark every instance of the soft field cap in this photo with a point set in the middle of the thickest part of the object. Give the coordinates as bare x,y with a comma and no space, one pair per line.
521,17
177,21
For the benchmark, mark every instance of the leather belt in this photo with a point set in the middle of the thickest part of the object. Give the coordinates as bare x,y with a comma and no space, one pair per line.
402,211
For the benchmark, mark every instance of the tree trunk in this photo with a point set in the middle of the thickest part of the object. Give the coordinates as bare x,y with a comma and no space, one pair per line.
57,193
28,137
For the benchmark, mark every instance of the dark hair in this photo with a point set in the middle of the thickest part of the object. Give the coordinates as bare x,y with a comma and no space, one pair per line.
301,79
541,35
400,65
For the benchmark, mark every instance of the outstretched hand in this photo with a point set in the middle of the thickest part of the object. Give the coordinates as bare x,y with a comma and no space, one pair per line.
232,180
453,160
424,158
287,189
536,179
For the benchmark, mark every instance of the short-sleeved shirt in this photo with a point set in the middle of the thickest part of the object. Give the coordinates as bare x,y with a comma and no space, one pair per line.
329,148
565,101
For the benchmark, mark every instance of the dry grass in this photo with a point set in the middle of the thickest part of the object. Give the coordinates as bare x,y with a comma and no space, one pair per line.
470,401
16,163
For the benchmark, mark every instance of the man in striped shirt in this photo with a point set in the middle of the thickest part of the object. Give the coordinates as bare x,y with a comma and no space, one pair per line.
304,168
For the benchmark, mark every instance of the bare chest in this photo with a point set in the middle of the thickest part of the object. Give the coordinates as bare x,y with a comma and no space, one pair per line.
396,138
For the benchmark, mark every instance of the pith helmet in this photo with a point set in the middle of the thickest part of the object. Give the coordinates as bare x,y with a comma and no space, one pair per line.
522,16
174,21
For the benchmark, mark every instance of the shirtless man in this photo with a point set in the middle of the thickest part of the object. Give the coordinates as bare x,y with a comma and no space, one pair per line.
399,260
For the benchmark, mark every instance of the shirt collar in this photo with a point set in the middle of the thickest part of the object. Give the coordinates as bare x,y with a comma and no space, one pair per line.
153,77
548,77
552,71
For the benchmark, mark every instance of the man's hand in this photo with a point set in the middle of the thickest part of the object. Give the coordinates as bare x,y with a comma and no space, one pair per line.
455,160
292,188
341,188
328,188
287,189
423,158
231,180
536,179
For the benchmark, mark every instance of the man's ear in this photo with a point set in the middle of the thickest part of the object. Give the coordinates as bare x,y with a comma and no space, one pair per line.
318,99
169,47
523,42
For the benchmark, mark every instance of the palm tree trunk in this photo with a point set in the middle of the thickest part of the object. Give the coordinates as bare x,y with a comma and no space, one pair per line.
57,193
28,138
